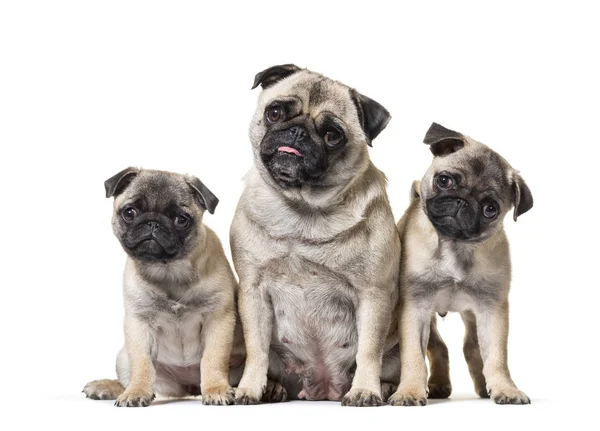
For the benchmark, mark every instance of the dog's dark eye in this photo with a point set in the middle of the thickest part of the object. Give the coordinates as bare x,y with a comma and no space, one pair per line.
129,214
333,138
181,222
274,114
490,210
444,182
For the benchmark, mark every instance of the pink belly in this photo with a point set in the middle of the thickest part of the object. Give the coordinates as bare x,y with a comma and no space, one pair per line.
318,383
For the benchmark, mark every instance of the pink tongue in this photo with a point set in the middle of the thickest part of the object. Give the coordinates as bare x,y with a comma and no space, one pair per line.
289,150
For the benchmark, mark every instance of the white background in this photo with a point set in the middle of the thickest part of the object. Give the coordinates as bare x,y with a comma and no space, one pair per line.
89,88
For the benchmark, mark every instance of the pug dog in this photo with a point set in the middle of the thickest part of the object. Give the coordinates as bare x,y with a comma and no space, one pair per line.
315,245
178,291
455,257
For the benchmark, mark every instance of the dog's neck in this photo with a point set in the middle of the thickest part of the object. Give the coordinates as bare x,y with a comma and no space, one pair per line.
309,214
461,249
325,197
168,275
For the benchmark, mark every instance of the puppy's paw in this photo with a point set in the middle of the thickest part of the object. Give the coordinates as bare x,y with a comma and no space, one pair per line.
218,396
439,390
103,389
274,393
510,396
134,398
404,397
387,389
245,396
482,391
362,398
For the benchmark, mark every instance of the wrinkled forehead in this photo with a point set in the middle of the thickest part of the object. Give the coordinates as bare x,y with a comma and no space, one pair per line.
316,93
480,167
158,191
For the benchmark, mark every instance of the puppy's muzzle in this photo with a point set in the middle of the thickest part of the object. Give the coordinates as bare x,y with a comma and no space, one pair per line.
150,239
454,217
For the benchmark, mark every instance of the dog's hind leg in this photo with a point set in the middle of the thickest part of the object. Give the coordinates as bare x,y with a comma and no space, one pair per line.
439,366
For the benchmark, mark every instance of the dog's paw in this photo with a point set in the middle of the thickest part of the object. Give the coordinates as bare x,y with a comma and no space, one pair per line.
134,398
105,389
387,389
482,391
362,398
404,397
274,393
218,396
510,396
245,396
439,390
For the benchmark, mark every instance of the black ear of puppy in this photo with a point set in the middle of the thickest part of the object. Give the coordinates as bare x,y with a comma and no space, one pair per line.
522,197
115,185
270,76
372,115
443,141
203,195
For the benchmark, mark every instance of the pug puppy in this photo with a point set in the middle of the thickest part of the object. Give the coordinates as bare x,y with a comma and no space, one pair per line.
456,258
315,245
178,292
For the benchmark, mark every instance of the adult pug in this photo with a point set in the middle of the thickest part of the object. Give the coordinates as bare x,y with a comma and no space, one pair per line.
178,293
315,244
456,258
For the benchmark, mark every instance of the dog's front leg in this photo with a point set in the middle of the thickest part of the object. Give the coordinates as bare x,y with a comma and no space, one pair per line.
256,315
492,331
372,321
140,342
214,367
414,326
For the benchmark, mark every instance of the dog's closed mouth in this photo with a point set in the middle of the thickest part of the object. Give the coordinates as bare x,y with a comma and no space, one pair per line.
290,150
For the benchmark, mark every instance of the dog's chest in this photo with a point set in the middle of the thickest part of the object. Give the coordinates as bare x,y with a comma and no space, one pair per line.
450,284
177,325
311,302
178,336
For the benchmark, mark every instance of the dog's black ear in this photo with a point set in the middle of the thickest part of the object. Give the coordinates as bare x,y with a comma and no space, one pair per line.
115,185
522,197
443,141
270,76
372,115
203,195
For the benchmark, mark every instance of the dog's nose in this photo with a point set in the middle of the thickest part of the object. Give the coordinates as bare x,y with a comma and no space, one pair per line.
153,225
298,133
